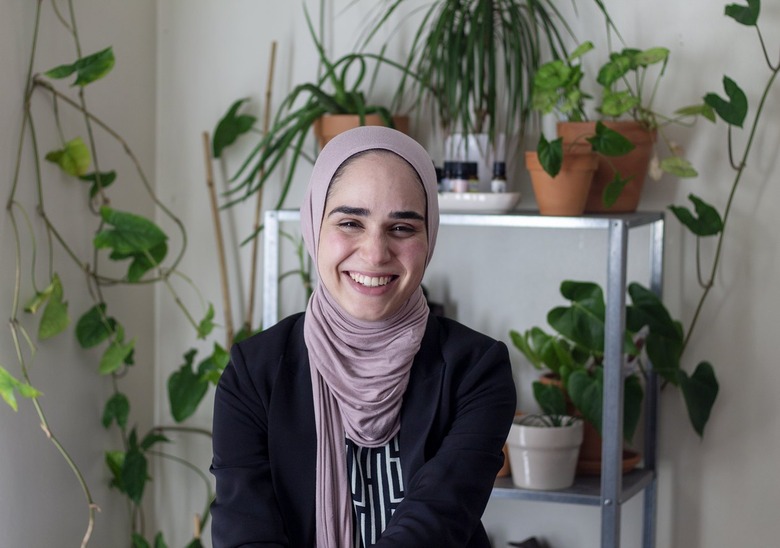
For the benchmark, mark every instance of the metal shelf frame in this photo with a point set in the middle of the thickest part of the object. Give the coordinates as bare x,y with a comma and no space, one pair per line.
613,488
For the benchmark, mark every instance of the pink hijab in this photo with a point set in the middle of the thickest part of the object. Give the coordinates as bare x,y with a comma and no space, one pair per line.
359,369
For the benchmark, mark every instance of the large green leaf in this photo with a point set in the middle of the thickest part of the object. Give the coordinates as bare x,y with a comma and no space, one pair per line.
9,385
706,222
115,461
699,391
734,110
117,409
130,234
231,127
74,158
186,389
94,326
88,69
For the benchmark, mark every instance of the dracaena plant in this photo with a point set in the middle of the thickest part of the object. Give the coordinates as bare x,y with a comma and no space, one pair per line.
339,90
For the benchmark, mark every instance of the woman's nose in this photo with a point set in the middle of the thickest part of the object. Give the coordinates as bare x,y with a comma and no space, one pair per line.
376,248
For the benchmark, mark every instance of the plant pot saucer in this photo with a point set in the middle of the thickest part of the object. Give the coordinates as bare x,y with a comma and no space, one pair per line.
593,467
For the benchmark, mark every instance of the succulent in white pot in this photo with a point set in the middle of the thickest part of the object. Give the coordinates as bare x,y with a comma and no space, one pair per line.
543,450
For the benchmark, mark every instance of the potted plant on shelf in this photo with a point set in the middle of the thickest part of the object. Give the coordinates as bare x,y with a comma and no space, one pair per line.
543,450
573,356
624,108
334,103
473,62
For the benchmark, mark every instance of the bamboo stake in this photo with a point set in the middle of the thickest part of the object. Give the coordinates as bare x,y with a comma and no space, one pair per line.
259,203
220,240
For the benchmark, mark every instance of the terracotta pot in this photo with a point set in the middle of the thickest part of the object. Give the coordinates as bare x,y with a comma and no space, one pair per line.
567,193
632,165
327,126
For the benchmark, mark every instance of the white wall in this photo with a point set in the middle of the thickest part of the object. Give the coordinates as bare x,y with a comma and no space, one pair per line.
41,503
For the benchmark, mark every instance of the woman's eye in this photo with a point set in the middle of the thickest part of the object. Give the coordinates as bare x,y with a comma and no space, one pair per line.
403,229
348,224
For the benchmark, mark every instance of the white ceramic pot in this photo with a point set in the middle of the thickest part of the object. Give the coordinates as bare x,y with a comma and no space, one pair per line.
544,457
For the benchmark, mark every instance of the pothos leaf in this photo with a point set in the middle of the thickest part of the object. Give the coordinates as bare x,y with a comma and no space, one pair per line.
745,15
186,389
74,158
231,127
206,325
88,69
9,385
94,326
115,355
107,178
734,110
117,409
55,317
550,155
707,223
699,391
131,234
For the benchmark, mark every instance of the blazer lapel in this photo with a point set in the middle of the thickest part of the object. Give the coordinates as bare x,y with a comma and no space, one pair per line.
421,400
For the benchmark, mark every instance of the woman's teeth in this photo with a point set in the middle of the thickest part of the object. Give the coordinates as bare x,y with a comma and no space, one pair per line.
369,281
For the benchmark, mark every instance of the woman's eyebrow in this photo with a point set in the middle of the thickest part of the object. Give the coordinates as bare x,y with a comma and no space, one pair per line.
348,210
363,212
407,215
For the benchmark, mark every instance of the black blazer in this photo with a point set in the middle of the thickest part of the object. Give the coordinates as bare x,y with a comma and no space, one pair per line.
455,418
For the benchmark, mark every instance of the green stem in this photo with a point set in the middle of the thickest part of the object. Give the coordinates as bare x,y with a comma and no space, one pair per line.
740,170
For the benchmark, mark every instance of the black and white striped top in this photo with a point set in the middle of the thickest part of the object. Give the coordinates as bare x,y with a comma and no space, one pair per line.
377,488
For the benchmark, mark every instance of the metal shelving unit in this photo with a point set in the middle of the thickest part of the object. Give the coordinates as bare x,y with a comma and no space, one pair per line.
612,488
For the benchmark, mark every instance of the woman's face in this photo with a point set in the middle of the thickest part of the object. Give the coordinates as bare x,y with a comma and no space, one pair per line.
373,241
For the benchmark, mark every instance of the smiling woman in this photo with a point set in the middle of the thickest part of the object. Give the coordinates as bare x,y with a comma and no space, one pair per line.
365,421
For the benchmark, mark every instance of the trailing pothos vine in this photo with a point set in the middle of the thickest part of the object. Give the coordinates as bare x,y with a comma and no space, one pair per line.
119,237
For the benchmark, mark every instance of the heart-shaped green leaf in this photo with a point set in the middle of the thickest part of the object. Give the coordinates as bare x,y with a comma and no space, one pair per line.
106,179
609,142
94,326
550,155
74,158
699,391
117,409
745,15
55,317
678,166
115,356
186,389
231,127
734,110
706,222
551,399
